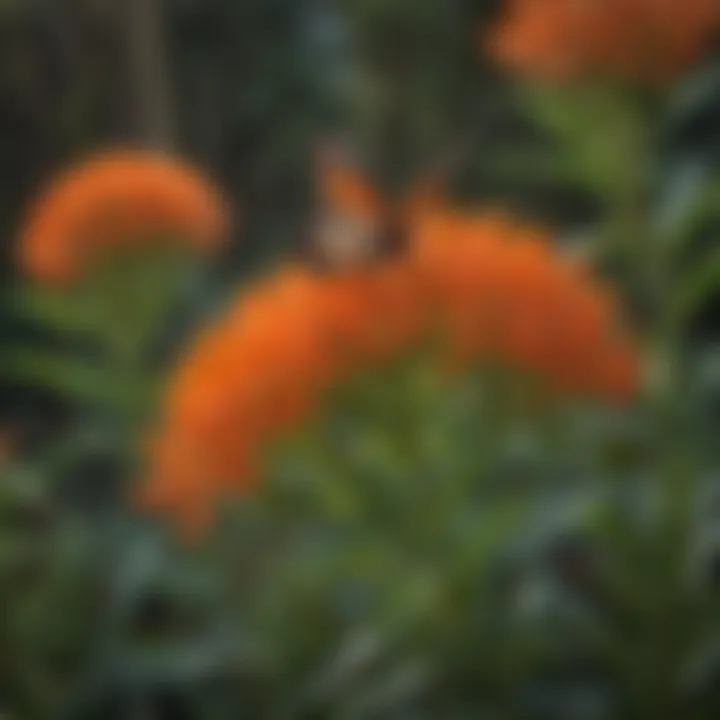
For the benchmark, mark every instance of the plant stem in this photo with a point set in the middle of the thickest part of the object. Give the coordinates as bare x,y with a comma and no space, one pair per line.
664,635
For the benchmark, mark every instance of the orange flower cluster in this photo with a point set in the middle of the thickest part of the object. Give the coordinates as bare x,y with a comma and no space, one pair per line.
650,41
501,293
263,370
493,290
116,199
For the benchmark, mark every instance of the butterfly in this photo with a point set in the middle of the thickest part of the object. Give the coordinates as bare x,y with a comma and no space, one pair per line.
355,225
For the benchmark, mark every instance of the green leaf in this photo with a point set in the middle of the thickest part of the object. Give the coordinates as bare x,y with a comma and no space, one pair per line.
68,376
695,288
697,212
358,653
539,165
61,311
598,134
389,691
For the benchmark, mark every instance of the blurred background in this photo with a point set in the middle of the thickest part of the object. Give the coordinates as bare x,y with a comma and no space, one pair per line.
247,90
103,617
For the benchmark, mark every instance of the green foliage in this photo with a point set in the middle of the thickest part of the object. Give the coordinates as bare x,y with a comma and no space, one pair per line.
113,314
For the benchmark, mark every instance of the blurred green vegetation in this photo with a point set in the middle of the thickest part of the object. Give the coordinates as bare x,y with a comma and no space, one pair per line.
501,569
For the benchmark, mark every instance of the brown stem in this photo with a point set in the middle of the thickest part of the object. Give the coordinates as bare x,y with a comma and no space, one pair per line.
145,51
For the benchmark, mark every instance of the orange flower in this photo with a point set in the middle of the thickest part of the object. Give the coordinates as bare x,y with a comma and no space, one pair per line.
265,369
118,198
496,291
491,289
488,288
650,41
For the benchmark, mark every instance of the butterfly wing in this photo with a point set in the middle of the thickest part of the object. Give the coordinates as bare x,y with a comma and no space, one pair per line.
349,224
343,188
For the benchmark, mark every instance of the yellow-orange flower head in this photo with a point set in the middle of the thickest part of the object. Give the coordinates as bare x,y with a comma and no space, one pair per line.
263,369
483,289
114,200
498,292
647,41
